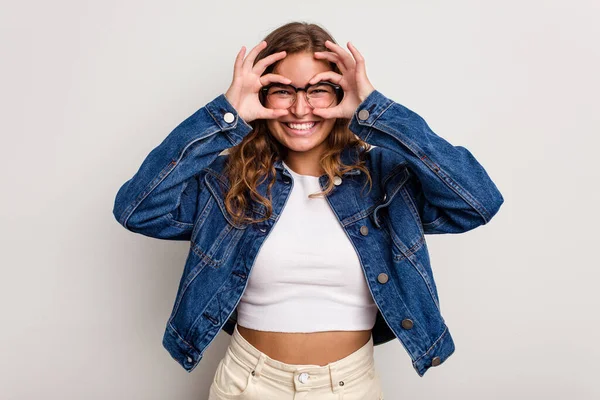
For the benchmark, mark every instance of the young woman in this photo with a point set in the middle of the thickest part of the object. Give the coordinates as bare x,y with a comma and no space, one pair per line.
306,242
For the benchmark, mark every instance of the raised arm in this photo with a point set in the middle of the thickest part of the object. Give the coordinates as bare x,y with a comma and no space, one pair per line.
453,192
161,199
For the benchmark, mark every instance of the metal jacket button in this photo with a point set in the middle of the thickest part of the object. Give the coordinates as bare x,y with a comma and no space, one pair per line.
364,230
436,361
337,181
382,278
407,323
190,359
228,117
363,114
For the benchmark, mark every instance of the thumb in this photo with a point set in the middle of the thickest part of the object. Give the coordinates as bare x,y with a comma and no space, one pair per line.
272,113
325,113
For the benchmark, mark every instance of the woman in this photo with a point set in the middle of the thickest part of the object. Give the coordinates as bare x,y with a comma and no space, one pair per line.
335,269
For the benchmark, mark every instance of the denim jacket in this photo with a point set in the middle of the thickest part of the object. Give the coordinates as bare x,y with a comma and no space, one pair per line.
421,185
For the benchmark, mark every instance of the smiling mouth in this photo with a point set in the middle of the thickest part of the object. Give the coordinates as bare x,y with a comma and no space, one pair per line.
301,127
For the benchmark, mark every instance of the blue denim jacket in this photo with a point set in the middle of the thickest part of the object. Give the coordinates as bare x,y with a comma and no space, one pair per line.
421,185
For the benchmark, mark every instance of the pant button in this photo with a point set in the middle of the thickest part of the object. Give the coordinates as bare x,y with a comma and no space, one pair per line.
303,377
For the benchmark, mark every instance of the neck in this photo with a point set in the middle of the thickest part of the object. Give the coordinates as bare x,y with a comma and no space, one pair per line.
305,162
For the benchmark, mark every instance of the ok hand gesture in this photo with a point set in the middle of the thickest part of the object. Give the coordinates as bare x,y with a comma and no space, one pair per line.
353,80
247,81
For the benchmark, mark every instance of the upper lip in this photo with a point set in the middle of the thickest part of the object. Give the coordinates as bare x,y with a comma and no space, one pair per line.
298,122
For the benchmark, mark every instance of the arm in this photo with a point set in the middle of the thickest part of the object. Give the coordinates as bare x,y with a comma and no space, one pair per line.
160,199
453,192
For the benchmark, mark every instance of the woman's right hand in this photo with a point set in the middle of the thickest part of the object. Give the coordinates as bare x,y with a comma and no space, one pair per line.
247,81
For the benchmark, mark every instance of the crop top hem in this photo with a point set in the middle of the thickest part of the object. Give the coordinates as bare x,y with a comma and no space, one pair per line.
333,319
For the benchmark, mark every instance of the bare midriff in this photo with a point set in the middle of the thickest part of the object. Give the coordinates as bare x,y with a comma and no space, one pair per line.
314,348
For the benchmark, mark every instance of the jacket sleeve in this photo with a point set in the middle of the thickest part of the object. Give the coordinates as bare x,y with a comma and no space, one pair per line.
452,193
160,200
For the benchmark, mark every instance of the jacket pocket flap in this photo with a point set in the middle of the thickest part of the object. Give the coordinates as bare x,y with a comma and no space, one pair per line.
218,189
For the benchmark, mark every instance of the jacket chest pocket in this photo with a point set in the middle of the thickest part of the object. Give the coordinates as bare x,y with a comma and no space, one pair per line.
397,210
215,236
391,187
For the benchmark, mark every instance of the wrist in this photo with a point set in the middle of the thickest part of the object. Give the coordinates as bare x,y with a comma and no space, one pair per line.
231,100
236,106
363,96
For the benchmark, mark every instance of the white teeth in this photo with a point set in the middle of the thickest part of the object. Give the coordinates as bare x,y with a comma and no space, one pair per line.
301,126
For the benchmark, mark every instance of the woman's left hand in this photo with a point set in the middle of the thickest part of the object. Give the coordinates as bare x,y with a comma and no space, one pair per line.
353,80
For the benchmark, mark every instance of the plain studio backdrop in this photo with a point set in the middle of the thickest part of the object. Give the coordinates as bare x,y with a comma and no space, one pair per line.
89,88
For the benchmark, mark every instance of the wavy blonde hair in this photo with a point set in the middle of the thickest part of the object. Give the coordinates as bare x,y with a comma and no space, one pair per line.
252,161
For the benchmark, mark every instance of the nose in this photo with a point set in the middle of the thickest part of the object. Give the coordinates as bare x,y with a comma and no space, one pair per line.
301,106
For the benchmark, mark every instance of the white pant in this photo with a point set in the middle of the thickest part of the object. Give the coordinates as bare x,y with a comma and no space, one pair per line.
246,373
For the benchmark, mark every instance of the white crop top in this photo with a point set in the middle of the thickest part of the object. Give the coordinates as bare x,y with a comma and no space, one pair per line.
306,276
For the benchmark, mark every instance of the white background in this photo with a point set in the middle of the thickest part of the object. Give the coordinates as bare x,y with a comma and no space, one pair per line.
87,89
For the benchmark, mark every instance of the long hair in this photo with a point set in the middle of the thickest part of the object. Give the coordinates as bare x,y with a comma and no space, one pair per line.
251,162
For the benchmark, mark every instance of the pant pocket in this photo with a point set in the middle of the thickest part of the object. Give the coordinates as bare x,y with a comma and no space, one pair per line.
233,379
365,385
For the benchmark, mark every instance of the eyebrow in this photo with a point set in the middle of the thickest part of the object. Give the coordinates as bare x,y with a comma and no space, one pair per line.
294,86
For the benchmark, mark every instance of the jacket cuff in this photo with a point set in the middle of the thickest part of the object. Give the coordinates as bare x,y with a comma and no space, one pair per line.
368,112
227,118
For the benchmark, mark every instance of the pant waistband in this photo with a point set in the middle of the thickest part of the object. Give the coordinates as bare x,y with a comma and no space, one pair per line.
303,377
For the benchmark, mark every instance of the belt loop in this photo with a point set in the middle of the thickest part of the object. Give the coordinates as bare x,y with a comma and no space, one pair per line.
337,384
259,365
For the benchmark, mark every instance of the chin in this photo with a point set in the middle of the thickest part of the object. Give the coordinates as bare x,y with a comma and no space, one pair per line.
301,147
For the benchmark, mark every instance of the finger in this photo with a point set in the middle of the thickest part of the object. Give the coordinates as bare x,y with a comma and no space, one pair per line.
344,55
249,61
328,113
261,65
239,59
269,78
273,113
360,60
327,76
332,57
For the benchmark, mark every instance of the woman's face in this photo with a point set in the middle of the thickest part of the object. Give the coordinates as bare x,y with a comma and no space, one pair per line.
300,68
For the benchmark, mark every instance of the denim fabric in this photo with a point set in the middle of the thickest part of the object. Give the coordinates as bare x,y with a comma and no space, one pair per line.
421,185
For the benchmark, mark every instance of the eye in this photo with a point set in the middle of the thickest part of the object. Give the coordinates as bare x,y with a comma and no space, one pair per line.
320,89
279,91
